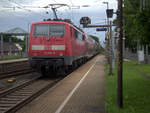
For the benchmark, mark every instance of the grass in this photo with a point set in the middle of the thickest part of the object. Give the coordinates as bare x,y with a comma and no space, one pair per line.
145,68
136,91
11,58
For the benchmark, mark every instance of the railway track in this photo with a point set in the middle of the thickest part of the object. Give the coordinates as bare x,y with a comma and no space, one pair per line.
18,82
15,73
24,89
14,69
14,98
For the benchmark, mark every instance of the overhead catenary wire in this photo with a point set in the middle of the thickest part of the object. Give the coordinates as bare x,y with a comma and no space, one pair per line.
19,6
55,1
15,6
72,11
72,17
71,2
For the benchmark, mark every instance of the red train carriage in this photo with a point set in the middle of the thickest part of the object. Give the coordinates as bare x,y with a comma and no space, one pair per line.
55,45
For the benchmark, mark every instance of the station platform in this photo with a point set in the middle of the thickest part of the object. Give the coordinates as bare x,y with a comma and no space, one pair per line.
12,61
82,91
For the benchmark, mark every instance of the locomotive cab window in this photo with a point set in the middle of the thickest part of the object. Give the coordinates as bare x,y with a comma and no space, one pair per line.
40,30
56,30
49,30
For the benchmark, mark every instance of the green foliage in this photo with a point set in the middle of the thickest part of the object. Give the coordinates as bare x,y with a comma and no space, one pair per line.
14,39
23,45
95,38
136,23
143,23
144,68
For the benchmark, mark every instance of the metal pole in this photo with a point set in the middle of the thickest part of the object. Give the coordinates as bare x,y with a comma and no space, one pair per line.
10,45
112,49
123,47
2,49
120,59
110,52
109,44
26,45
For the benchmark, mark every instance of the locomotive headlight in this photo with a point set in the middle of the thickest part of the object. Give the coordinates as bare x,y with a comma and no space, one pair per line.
58,47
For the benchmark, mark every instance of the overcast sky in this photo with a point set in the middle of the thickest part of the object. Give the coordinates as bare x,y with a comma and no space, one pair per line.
13,13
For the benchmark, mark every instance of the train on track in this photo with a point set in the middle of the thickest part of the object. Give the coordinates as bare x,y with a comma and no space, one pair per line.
58,46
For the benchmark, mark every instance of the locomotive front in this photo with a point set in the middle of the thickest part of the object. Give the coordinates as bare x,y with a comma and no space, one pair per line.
47,45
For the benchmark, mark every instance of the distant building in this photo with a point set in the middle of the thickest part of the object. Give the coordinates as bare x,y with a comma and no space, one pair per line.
13,49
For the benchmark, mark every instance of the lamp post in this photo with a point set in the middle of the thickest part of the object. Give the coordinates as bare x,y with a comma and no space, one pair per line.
106,4
78,7
109,43
107,8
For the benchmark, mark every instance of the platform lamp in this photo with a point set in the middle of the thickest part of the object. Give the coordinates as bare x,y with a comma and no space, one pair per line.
109,13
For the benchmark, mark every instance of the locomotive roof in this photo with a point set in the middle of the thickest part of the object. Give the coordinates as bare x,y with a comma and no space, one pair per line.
46,22
57,22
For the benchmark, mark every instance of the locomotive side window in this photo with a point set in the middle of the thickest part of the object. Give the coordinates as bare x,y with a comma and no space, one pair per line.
79,36
71,31
75,34
83,37
40,30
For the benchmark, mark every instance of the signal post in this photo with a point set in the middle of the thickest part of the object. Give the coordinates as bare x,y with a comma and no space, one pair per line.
85,21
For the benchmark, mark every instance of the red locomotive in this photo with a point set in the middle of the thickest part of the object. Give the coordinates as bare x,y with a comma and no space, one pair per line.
57,46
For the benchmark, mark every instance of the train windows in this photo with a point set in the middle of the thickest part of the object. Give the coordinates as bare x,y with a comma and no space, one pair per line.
49,30
83,37
79,36
40,30
76,34
71,31
56,30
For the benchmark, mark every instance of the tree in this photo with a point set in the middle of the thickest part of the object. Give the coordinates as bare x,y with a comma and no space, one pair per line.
136,23
95,38
14,40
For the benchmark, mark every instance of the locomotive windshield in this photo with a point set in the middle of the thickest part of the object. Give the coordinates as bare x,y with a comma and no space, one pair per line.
49,30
